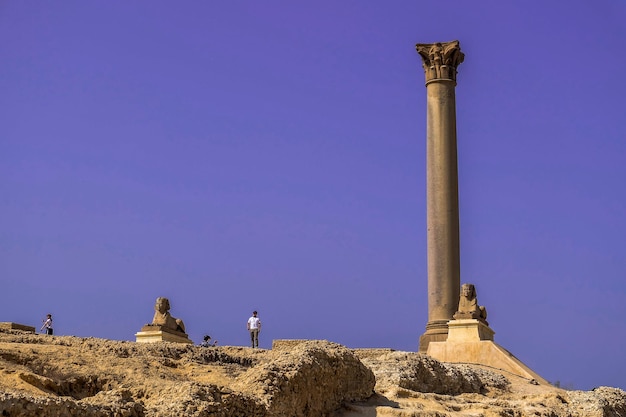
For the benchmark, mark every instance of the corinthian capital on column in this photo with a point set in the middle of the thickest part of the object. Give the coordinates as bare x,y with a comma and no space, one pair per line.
440,60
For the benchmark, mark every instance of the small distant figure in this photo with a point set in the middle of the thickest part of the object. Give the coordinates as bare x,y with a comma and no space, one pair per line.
254,327
206,341
47,325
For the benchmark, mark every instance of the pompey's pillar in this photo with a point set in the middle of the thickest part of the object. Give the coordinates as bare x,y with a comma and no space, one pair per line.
440,61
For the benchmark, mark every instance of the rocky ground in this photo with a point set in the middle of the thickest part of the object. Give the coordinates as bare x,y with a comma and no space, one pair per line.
70,376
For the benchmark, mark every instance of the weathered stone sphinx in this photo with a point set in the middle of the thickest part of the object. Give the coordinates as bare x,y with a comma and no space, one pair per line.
162,316
164,327
468,305
470,340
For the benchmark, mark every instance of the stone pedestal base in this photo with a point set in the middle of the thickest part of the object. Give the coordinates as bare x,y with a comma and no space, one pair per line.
471,341
150,334
7,325
468,330
436,331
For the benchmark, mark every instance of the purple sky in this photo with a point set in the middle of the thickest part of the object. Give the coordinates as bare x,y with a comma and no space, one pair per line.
271,155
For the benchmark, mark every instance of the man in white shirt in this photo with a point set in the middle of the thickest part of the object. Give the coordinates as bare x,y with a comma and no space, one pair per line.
254,327
47,324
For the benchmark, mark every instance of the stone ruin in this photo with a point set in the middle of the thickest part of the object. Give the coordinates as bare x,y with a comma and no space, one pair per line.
164,327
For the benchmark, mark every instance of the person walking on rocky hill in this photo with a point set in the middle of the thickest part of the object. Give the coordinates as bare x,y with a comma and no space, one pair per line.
47,324
254,327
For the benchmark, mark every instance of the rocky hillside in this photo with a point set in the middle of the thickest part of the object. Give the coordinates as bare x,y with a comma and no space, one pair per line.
70,376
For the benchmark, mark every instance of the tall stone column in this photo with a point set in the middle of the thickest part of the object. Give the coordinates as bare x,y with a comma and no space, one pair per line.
440,61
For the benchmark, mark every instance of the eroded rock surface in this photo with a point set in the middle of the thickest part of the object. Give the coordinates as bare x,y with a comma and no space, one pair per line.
88,377
411,384
71,376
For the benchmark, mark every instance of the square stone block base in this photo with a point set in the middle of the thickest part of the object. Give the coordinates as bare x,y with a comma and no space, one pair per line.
471,341
7,325
468,330
150,334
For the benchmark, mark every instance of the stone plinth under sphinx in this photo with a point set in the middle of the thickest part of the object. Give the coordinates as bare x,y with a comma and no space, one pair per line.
470,340
467,347
156,333
164,327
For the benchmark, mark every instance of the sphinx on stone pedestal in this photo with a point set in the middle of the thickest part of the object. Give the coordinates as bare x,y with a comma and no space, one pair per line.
469,322
162,316
470,340
468,305
164,327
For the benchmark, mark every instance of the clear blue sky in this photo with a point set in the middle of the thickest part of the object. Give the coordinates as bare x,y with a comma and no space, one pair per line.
271,155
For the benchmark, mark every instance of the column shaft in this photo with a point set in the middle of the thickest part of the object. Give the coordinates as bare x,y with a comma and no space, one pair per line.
440,61
442,202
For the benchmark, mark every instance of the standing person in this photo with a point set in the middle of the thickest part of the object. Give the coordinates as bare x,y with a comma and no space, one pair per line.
254,327
47,324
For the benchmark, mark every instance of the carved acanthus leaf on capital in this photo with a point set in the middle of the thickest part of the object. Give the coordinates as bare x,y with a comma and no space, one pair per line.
440,60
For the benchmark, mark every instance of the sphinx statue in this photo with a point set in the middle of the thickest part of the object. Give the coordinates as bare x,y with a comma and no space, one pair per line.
163,318
468,305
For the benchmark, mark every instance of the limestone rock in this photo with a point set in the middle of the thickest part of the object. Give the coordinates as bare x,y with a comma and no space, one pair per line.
64,376
411,384
421,373
310,379
71,376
